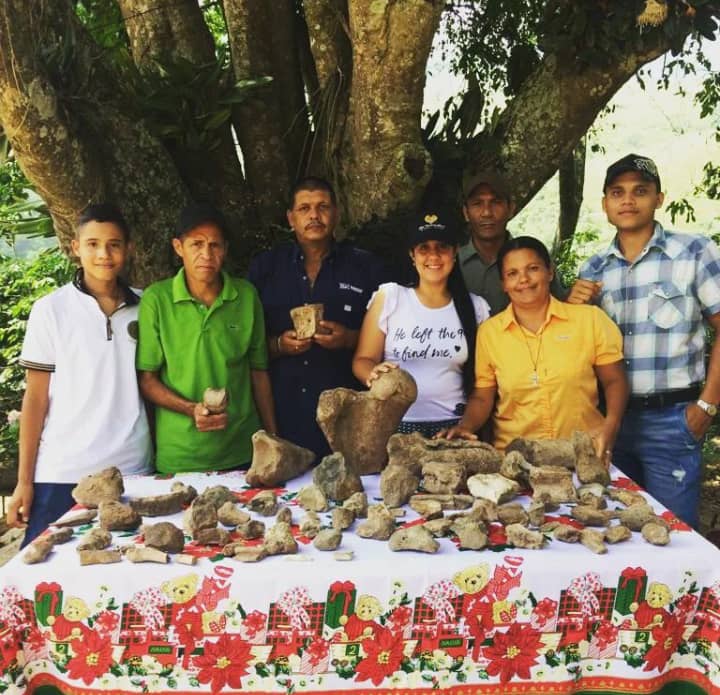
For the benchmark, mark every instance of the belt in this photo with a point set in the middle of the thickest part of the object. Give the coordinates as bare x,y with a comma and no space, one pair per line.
664,398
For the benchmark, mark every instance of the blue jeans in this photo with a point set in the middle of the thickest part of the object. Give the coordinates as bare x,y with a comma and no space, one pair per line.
50,502
656,448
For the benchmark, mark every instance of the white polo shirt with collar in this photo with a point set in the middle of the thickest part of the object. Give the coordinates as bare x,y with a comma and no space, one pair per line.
96,417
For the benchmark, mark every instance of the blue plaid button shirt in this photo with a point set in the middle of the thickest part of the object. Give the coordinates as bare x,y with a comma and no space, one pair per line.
659,302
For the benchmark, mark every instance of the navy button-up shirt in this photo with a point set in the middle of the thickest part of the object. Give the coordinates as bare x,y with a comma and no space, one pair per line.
344,285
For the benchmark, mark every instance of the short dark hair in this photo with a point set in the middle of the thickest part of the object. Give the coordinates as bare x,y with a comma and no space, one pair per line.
195,215
103,212
311,183
523,242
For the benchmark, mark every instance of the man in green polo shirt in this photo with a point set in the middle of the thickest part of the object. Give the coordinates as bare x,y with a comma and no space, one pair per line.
203,329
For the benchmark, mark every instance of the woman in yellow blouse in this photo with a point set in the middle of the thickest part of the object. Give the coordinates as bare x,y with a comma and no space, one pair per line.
538,362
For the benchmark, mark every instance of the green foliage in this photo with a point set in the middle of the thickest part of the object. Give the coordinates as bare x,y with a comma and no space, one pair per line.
571,254
21,283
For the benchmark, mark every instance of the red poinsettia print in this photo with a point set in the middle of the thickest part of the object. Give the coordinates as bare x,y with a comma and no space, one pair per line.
224,662
244,496
513,652
675,523
93,657
667,638
564,519
384,656
627,484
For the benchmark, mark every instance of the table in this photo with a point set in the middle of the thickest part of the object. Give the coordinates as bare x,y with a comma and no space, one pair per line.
502,620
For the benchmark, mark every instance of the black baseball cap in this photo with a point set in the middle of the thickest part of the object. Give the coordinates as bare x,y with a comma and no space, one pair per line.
633,162
431,225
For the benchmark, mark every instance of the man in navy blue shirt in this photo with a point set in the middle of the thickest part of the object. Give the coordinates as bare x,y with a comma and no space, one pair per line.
313,269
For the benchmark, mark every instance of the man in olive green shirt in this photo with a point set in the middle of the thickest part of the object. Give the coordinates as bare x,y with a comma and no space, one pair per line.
203,329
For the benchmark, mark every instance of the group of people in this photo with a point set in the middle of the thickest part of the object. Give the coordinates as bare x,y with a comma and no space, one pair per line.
497,347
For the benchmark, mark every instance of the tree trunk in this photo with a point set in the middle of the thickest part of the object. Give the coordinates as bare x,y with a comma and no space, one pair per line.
572,182
385,165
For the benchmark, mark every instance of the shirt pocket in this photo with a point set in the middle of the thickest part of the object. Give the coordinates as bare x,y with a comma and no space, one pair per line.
666,305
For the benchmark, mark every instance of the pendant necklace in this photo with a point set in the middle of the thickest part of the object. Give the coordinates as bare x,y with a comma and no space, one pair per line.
534,377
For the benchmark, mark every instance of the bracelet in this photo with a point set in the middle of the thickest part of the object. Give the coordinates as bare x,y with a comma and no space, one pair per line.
277,345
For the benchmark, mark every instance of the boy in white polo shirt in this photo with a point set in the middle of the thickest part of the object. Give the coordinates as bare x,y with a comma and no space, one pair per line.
82,409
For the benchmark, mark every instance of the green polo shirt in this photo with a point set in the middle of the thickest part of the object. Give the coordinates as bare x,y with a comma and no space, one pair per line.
193,347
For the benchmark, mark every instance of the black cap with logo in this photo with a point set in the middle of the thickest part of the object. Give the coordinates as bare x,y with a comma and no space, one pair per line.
633,162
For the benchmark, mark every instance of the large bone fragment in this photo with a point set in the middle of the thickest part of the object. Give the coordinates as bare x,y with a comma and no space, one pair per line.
414,451
139,554
105,486
337,478
99,557
306,319
492,486
397,485
589,468
545,452
522,537
116,516
444,478
552,484
359,424
275,460
415,538
451,502
159,505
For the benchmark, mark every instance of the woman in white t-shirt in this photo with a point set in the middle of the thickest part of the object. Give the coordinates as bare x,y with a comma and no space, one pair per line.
427,329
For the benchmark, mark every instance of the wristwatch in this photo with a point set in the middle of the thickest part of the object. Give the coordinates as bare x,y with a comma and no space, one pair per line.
709,408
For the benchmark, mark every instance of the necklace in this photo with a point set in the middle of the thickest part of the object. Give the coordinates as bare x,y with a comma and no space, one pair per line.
534,378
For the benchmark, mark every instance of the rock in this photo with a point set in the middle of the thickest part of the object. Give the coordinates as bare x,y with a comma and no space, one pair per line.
566,534
593,540
397,485
217,495
328,539
137,553
472,537
275,460
265,503
357,503
342,518
312,498
189,491
230,514
552,484
447,501
279,540
99,557
37,551
250,554
60,536
416,538
95,539
444,478
159,505
250,530
627,497
591,516
522,537
618,534
536,513
430,509
201,514
359,424
515,467
215,400
76,518
493,487
637,516
105,486
439,527
655,533
594,489
184,559
485,510
544,452
284,514
306,319
164,536
310,525
380,524
344,555
336,477
212,536
588,467
116,516
413,451
588,499
513,513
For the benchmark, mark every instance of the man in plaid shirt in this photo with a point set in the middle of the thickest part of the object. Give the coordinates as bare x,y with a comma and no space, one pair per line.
661,288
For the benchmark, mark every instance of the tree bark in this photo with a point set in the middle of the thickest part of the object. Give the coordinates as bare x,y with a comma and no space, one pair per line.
572,182
553,110
385,165
81,147
269,126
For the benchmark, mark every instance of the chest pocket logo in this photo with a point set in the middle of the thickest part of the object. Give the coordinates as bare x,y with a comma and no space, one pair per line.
666,305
